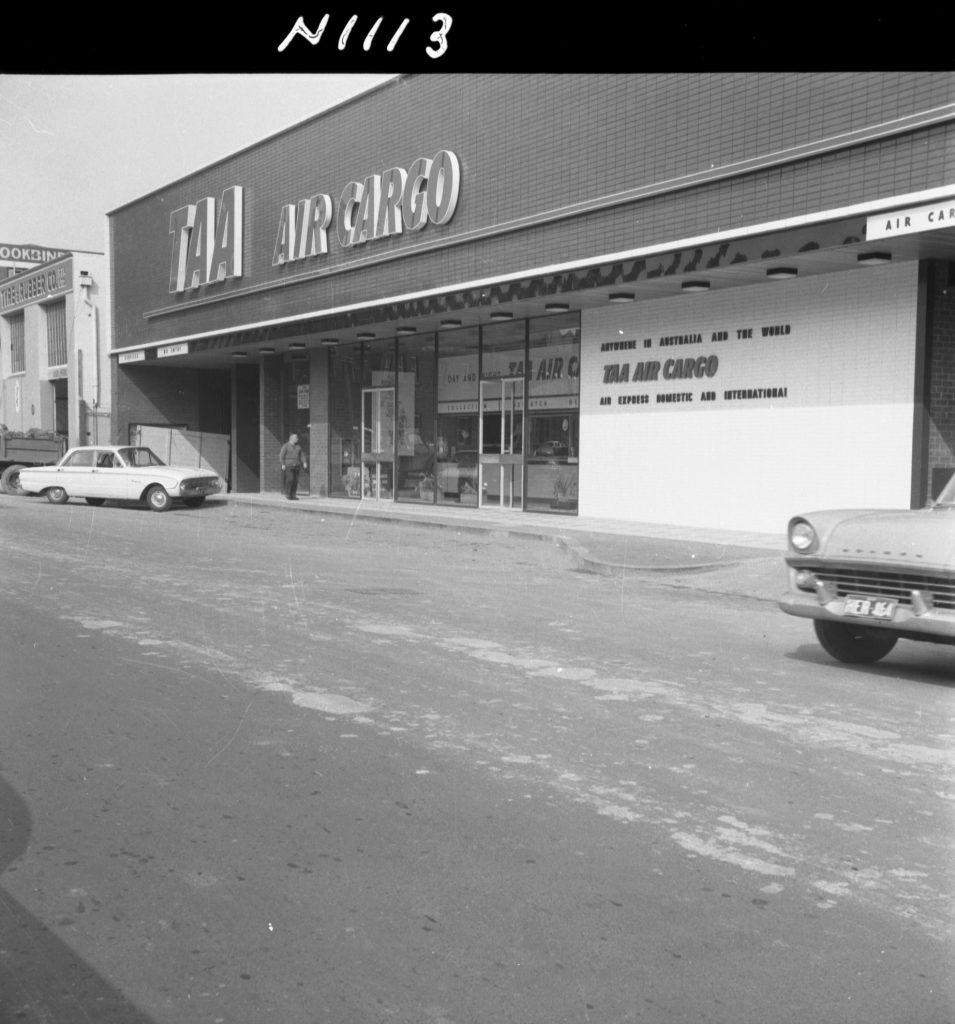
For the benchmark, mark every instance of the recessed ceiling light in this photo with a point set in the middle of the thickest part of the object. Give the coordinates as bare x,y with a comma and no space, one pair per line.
696,286
240,355
557,307
502,315
871,259
266,351
621,296
407,330
297,346
365,335
450,323
329,341
781,273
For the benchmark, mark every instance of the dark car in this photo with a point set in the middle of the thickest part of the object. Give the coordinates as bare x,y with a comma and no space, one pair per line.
868,578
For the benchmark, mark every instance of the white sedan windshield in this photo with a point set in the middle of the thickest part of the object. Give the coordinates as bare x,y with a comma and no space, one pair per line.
140,457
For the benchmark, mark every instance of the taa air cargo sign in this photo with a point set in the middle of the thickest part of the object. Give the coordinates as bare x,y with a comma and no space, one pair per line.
206,241
381,206
207,235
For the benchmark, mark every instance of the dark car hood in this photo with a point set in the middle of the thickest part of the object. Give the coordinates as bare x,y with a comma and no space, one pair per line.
923,537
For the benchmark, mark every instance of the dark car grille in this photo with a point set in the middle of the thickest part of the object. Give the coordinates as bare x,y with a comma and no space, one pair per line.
894,586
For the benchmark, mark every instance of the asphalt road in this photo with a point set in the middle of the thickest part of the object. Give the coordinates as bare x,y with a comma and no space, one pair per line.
257,766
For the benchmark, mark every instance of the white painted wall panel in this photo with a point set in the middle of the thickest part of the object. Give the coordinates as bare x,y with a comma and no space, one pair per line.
840,437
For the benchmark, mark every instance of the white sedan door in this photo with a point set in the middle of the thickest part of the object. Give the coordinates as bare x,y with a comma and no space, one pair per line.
110,476
76,476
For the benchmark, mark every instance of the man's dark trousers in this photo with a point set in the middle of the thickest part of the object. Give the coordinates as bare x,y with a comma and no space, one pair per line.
291,480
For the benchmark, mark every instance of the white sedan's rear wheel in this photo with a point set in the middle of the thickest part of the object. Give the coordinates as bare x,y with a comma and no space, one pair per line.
57,496
10,480
158,499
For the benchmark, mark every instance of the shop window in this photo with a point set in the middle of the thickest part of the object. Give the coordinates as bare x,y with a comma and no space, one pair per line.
378,363
56,353
553,417
344,422
416,421
456,442
297,408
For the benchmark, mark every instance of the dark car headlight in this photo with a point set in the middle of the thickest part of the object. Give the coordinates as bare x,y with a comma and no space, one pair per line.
802,537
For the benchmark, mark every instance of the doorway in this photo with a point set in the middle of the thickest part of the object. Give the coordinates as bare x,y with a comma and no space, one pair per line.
378,443
501,443
298,412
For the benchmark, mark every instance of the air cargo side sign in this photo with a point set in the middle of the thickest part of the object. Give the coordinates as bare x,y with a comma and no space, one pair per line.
207,236
381,206
910,220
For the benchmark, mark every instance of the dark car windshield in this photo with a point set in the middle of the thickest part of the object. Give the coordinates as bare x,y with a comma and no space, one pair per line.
140,457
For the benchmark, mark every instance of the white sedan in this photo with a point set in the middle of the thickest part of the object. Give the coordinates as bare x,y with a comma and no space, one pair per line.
126,473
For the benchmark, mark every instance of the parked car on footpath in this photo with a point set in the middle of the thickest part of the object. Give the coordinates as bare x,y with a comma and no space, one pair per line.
868,579
121,473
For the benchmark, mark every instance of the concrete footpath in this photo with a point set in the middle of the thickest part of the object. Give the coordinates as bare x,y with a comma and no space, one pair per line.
605,546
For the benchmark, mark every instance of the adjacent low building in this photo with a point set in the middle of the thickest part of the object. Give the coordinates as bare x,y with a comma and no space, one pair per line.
54,343
695,299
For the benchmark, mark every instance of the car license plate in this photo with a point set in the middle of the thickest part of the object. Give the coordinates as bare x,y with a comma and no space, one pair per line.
870,608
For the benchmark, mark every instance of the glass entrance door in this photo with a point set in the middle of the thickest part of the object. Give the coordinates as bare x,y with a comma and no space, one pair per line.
501,443
378,443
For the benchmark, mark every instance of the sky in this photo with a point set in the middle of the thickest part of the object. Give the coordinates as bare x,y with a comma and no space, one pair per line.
73,148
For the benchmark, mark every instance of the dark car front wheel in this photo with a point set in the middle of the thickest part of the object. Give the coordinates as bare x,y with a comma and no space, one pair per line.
855,645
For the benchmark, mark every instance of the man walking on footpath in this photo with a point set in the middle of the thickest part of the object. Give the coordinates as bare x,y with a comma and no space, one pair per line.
292,460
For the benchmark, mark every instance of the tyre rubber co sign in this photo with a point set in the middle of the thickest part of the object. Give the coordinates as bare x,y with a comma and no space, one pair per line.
35,285
206,236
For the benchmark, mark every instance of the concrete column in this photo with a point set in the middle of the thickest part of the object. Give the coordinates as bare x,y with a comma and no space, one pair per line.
318,427
271,427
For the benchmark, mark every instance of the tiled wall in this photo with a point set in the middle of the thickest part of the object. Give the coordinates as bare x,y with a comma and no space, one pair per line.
941,426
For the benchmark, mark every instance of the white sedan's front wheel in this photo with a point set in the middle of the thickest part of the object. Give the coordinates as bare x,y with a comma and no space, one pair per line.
57,496
158,499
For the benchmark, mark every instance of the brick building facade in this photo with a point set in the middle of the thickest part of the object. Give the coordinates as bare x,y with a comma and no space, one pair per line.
598,293
54,343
